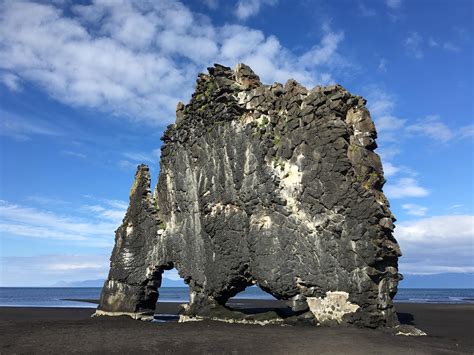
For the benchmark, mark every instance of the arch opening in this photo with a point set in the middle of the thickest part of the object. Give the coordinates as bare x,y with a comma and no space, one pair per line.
172,292
256,304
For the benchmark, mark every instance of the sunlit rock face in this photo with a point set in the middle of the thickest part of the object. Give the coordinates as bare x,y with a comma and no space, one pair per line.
274,185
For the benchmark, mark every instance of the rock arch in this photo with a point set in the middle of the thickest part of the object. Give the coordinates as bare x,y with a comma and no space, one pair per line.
273,184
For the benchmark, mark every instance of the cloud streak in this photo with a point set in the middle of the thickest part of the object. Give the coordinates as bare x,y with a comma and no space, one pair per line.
22,129
95,229
433,127
405,187
414,210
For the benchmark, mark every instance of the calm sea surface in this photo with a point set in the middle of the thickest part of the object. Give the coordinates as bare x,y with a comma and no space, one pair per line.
54,296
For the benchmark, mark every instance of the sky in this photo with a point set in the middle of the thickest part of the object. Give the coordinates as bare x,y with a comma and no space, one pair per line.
87,88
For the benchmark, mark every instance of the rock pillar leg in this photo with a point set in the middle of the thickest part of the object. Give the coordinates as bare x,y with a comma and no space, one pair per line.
131,288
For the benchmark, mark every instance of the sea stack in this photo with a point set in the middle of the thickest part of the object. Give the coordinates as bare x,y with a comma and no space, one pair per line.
274,185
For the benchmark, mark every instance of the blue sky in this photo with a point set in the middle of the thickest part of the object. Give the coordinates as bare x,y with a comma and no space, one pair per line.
87,88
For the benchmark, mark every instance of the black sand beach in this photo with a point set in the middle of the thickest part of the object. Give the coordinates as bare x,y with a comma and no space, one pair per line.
65,330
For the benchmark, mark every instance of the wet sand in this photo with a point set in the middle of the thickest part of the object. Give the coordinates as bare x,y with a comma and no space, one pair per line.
65,330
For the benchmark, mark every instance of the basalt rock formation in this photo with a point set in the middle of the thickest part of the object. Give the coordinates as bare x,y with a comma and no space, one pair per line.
272,185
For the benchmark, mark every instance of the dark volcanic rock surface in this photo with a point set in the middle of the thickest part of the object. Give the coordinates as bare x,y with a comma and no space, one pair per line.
262,184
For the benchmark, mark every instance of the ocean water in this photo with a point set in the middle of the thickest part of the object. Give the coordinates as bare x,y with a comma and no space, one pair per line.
55,296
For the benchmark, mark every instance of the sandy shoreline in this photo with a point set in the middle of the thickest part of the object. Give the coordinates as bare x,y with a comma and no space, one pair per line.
63,330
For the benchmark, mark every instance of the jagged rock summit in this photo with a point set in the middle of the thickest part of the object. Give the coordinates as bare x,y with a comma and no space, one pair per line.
274,185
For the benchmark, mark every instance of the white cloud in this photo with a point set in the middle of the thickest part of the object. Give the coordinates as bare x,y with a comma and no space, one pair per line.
415,210
324,52
249,8
106,209
138,59
118,204
381,106
405,187
114,215
413,45
389,169
433,127
393,4
388,152
389,125
11,81
95,229
437,244
49,269
380,103
391,128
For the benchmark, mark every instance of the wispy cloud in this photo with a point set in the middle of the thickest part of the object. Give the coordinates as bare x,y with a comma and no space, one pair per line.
432,42
393,4
467,131
393,130
382,67
74,154
11,81
433,127
413,45
92,229
139,157
126,164
118,204
326,50
211,4
250,8
415,210
449,46
437,244
132,159
382,106
405,187
22,128
364,10
389,169
114,214
44,200
138,49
